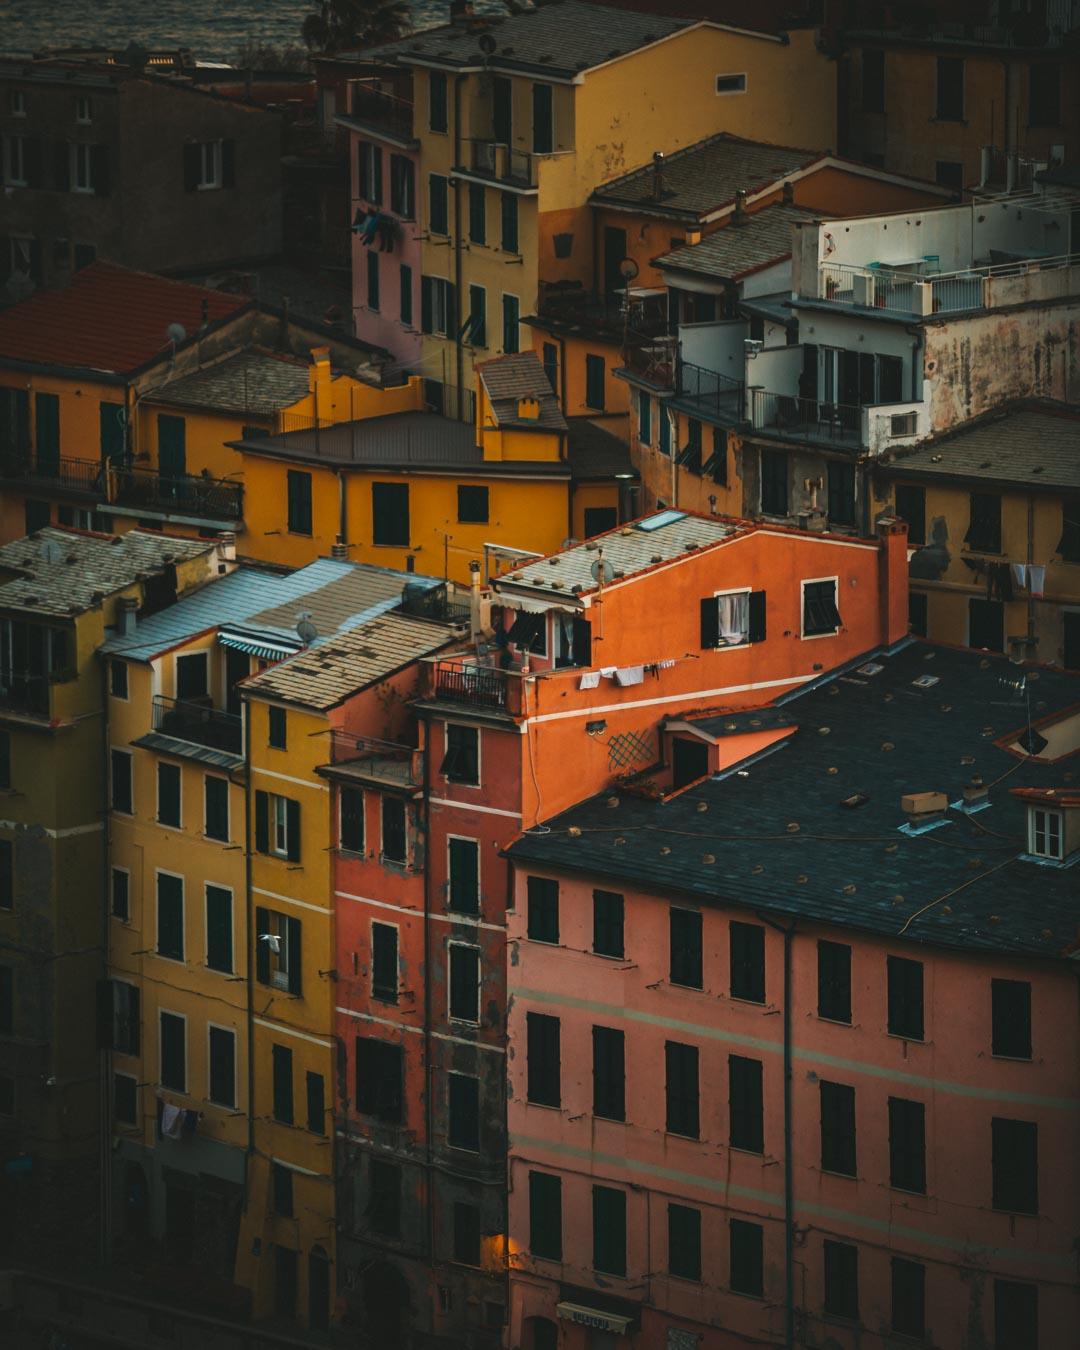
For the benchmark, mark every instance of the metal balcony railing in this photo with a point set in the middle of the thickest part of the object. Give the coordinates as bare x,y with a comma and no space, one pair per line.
481,686
199,723
495,160
641,313
191,495
709,392
25,691
652,359
383,110
814,419
63,473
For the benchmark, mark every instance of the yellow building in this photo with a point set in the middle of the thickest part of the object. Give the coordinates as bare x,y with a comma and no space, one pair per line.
60,593
993,513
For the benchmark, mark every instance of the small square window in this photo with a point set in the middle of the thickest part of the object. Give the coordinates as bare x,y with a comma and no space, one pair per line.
731,84
472,503
1045,834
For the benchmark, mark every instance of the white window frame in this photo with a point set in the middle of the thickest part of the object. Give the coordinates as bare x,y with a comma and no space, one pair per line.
210,156
130,984
381,923
176,960
223,1106
1033,831
121,698
465,915
113,868
721,645
458,1148
730,75
218,886
162,824
82,168
84,110
479,755
17,103
15,161
121,750
439,307
810,581
127,1124
183,1018
278,811
212,838
475,947
188,656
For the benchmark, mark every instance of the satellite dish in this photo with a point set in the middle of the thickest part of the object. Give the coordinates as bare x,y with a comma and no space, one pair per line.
487,43
628,269
602,571
176,333
305,629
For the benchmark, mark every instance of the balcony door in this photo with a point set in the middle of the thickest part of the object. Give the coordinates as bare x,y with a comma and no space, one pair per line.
47,434
502,117
614,253
172,446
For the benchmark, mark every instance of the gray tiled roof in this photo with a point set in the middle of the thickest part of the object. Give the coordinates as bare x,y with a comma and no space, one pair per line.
254,382
65,572
507,379
567,37
596,452
1031,448
781,839
736,250
706,175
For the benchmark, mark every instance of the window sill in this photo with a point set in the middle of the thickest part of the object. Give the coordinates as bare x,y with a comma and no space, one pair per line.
811,637
1013,1059
844,1176
836,1021
544,1106
609,956
899,1036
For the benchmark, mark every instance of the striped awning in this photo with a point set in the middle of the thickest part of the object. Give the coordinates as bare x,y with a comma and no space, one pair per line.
263,648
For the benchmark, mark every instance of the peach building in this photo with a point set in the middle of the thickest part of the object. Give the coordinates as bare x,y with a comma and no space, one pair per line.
792,1047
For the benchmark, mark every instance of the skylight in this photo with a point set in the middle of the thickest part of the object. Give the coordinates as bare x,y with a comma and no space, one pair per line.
658,521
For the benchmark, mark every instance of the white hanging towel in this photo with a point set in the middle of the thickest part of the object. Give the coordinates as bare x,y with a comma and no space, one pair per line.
1019,571
630,675
590,680
171,1117
608,672
1036,578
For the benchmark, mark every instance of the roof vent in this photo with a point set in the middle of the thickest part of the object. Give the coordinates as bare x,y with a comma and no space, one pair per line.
127,607
925,811
787,195
740,215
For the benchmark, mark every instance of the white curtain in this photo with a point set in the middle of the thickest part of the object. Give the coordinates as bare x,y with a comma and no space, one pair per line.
734,613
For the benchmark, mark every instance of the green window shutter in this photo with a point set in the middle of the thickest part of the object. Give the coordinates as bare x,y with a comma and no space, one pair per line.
222,1067
170,917
427,289
262,949
217,808
47,437
292,829
282,1079
262,823
168,794
684,1242
351,806
543,129
292,940
609,1230
464,880
219,929
172,446
746,1122
316,1104
756,617
405,299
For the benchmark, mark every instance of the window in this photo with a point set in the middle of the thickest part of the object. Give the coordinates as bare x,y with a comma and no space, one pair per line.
466,1233
594,381
437,310
394,836
550,359
837,1128
608,923
748,962
437,117
542,1050
986,625
684,1242
7,1000
464,1000
685,938
746,1105
917,617
509,223
83,111
609,1230
402,188
472,504
120,890
732,619
1044,94
373,304
282,1083
908,1298
120,780
873,80
716,464
731,84
911,506
316,1103
774,483
278,950
543,141
511,314
746,1273
7,874
219,929
282,1184
1016,1315
384,1197
213,162
222,1074
689,457
351,819
1015,1165
277,732
820,614
545,1216
1011,1018
192,678
841,493
172,1069
461,763
390,514
16,168
475,334
298,484
1045,833
1069,543
216,808
644,417
118,679
528,632
477,213
683,1113
170,916
948,173
543,903
277,826
905,997
907,1145
379,1073
405,298
126,1025
125,1099
464,1112
950,89
438,204
370,173
984,528
463,890
609,1073
841,1279
384,962
17,103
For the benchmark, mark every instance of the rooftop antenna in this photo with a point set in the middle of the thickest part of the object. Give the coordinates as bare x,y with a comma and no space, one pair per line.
305,629
176,333
602,571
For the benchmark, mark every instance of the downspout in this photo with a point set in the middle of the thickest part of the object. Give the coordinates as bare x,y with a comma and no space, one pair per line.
250,927
342,520
429,1171
1030,559
106,1051
459,351
789,1180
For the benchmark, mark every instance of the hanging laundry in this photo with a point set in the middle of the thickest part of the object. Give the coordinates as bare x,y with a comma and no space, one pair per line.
590,680
608,672
627,675
1019,573
171,1119
1036,579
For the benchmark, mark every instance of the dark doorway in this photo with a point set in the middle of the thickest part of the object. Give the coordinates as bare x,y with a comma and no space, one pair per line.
986,625
386,1304
614,253
1071,655
136,1202
285,1285
318,1290
237,667
179,1222
689,761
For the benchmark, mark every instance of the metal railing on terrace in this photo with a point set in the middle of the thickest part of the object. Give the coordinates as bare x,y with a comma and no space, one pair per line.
652,359
806,418
61,473
383,110
495,160
921,289
641,313
709,392
190,494
480,686
199,723
25,691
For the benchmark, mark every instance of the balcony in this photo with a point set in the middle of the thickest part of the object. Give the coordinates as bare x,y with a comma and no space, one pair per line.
640,312
25,692
188,495
372,762
466,682
807,419
83,477
708,394
491,159
651,361
199,724
382,111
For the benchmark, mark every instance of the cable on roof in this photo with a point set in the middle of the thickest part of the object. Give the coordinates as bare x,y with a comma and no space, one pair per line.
955,891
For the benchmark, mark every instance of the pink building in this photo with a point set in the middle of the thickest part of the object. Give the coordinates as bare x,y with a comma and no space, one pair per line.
791,1061
384,173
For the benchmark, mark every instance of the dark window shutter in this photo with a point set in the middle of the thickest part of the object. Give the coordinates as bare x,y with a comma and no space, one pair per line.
710,622
228,163
427,286
62,166
32,161
282,1070
105,1015
192,166
262,949
756,629
5,272
1011,1018
292,827
262,823
100,170
292,938
316,1104
545,1216
746,1103
582,641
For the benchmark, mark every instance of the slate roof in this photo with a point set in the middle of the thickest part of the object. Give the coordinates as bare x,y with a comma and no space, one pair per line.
256,382
507,379
1029,448
109,318
567,37
780,840
596,452
629,549
62,572
718,726
705,176
737,250
322,676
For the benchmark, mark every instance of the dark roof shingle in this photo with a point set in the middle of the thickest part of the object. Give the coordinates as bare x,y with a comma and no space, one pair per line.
509,379
1031,448
255,382
736,250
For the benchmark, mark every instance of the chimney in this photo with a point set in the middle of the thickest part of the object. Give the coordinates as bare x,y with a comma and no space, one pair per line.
976,795
739,216
127,608
528,409
787,195
923,807
226,550
893,579
658,175
474,599
693,235
319,378
339,550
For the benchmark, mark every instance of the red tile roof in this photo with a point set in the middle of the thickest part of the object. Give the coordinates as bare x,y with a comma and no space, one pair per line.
110,318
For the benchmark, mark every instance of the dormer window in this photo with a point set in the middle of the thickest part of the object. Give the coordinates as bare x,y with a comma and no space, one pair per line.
1045,833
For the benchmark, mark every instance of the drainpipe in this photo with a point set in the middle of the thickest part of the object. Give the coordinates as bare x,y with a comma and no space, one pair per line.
459,351
106,1051
1030,559
252,937
789,1180
343,534
429,1170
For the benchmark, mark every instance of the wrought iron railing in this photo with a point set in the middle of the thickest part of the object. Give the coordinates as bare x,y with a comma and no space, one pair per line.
190,494
710,391
384,110
482,686
652,359
642,314
496,160
200,723
70,475
440,603
810,417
